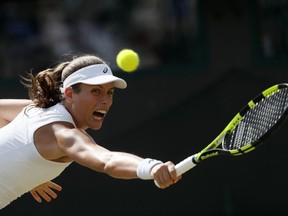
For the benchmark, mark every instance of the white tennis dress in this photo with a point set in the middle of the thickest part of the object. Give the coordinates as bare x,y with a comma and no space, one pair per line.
22,168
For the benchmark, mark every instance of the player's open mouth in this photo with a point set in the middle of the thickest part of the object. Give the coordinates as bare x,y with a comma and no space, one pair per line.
99,114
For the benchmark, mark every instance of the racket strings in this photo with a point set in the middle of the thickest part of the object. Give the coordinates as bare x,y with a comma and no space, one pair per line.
258,121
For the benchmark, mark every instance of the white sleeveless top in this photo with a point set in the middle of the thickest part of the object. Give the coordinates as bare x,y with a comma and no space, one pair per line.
22,168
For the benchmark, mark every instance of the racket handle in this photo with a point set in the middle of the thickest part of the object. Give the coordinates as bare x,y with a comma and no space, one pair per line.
182,167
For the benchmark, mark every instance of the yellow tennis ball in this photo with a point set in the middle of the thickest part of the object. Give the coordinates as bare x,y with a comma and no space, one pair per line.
128,60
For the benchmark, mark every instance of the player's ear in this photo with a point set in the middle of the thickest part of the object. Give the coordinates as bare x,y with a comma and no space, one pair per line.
68,93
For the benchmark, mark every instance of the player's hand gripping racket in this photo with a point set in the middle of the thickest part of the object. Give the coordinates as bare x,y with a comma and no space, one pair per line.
250,127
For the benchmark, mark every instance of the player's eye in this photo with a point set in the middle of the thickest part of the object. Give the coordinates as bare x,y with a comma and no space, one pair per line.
111,92
96,91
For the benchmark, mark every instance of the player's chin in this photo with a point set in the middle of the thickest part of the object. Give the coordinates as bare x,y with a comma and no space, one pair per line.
96,125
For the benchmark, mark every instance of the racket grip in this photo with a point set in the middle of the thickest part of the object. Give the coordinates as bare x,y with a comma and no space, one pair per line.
184,165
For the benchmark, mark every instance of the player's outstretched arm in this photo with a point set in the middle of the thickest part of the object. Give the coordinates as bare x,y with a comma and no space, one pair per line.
81,148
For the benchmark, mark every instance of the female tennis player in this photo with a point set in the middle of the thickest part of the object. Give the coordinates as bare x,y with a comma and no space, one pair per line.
41,136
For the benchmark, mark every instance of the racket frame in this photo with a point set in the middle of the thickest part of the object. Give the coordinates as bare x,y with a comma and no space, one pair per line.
214,149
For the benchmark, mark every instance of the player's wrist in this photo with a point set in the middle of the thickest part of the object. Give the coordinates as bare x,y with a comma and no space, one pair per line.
145,167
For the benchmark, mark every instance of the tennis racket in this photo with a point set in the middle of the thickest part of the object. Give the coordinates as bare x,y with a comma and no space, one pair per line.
250,127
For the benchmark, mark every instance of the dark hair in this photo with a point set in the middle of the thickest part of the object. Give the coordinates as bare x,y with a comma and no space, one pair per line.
44,87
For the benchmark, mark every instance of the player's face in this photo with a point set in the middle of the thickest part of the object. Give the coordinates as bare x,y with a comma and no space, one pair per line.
90,106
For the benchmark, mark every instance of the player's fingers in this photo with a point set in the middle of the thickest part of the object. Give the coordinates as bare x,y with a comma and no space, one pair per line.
50,192
36,196
44,195
163,177
54,186
172,171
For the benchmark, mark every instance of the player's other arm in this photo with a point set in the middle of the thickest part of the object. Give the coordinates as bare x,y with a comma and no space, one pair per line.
9,109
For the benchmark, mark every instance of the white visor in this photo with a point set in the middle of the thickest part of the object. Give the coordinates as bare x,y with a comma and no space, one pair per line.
93,75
